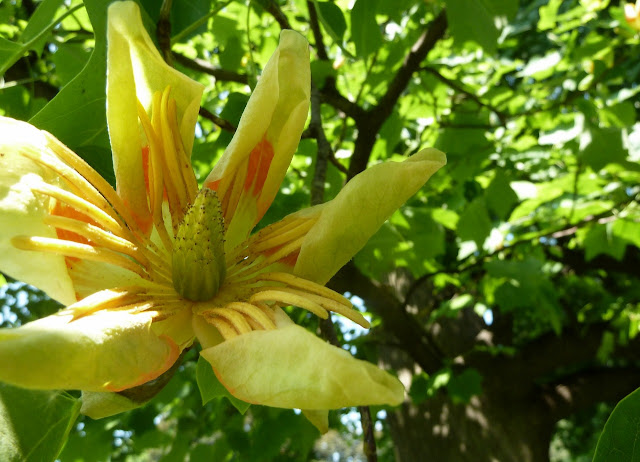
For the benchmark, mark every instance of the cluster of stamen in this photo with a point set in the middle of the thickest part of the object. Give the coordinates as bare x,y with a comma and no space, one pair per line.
93,223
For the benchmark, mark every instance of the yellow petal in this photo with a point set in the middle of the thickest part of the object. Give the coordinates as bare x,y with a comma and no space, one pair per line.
100,404
22,212
249,174
347,222
135,70
291,368
104,351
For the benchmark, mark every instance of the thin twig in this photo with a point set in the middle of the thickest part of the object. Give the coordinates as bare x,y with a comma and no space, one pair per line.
274,10
163,31
601,218
369,440
219,121
460,89
317,33
203,66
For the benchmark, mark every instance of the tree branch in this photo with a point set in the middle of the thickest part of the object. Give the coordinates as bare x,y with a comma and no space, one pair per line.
274,10
457,87
370,124
403,325
219,121
163,31
317,33
581,390
203,66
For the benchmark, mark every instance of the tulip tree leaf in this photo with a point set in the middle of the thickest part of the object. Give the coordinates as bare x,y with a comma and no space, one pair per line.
332,19
619,439
42,17
365,32
500,196
462,387
473,20
34,424
77,114
210,387
605,147
474,223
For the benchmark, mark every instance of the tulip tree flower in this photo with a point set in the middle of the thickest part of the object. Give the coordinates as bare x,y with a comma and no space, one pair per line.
632,14
155,264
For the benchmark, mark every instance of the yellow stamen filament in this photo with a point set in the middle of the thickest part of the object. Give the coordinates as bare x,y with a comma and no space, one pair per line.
104,188
270,241
183,159
81,205
170,154
305,284
288,298
225,329
266,310
104,300
262,262
328,304
253,313
81,251
75,181
237,320
156,178
98,236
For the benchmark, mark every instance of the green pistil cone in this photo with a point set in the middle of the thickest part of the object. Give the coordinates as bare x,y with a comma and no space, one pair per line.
198,251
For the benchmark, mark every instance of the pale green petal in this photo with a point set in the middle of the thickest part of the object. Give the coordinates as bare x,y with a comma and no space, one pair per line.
135,70
100,404
319,419
22,212
347,222
104,351
273,120
291,368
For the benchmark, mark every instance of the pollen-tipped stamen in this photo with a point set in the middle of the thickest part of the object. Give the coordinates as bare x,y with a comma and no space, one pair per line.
77,250
288,298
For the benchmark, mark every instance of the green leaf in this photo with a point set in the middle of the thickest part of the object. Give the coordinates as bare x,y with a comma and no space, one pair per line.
474,20
42,17
474,223
604,148
464,386
365,32
500,196
210,387
34,424
332,19
600,239
619,439
77,114
320,71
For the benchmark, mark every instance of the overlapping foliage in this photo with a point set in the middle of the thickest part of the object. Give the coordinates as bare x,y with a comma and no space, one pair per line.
513,278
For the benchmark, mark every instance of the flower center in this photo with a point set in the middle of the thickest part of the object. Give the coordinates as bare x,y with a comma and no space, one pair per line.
198,252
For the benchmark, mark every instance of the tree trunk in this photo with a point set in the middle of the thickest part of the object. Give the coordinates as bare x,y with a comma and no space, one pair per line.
488,429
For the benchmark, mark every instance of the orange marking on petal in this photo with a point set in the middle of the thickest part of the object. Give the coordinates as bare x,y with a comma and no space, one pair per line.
258,168
61,209
291,259
144,223
213,185
174,354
